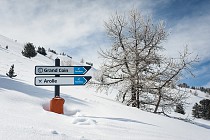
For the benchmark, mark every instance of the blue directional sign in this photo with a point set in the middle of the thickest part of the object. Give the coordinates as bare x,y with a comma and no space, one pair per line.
80,70
80,80
61,70
62,81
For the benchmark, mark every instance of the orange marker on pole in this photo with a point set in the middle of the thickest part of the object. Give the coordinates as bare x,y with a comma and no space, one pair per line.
56,105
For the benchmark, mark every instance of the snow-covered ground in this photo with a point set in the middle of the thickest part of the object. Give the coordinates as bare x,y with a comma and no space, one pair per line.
87,115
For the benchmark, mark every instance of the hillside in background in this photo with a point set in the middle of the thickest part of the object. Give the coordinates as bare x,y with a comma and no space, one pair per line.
87,115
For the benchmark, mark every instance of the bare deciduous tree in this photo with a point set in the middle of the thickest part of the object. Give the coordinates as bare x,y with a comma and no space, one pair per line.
134,65
169,73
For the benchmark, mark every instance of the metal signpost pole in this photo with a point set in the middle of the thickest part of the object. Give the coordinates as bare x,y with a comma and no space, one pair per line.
57,87
56,104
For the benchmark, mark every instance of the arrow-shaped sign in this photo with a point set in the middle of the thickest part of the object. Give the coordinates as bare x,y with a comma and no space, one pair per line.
62,81
81,70
61,70
81,80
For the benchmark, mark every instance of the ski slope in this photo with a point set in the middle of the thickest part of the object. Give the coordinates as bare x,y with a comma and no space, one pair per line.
87,115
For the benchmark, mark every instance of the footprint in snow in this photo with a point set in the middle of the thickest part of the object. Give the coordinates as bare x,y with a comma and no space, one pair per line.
83,121
70,112
78,114
54,132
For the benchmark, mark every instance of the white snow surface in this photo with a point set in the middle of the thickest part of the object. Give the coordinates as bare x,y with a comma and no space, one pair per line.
87,115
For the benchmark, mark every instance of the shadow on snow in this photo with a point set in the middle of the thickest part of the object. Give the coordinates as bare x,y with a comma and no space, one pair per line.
16,85
122,120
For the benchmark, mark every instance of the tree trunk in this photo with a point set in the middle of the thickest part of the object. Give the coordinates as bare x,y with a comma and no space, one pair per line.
137,99
133,96
158,103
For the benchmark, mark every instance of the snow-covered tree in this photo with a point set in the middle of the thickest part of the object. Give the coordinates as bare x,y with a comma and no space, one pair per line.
11,72
29,50
133,55
134,65
196,110
41,50
166,76
180,109
202,110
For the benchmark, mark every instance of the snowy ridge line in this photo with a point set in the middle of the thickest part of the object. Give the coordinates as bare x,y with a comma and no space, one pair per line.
7,38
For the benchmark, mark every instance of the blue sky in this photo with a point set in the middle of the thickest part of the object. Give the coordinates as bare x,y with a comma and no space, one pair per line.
77,26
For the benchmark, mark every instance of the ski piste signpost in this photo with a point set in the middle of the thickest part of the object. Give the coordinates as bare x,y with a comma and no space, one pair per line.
56,104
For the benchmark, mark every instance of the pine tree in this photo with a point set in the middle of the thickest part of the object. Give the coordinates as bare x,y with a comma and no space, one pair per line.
195,111
11,72
205,109
29,50
180,109
202,110
41,50
44,51
82,61
53,51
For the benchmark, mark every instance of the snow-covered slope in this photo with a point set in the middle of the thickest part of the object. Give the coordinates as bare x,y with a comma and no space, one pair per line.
87,115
